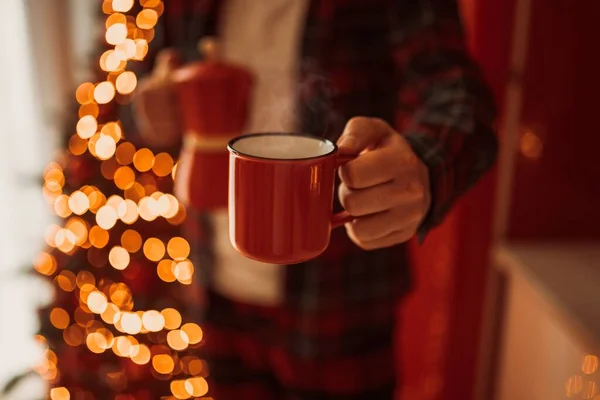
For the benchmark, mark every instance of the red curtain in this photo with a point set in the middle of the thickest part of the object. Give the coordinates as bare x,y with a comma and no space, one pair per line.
440,322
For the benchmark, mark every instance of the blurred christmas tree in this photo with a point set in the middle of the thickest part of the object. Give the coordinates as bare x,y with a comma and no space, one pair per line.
122,322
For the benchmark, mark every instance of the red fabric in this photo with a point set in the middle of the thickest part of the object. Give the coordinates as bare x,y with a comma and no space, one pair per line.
248,360
440,352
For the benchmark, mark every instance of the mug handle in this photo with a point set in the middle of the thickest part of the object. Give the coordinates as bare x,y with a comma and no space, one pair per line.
342,217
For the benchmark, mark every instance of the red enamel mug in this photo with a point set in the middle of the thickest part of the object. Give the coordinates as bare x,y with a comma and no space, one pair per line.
281,188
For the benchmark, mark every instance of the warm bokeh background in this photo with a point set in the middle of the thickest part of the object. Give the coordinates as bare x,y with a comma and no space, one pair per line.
505,303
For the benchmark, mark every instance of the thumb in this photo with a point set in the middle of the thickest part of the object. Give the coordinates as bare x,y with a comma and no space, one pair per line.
362,133
166,62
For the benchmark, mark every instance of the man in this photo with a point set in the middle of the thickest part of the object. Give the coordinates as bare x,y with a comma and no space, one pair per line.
394,79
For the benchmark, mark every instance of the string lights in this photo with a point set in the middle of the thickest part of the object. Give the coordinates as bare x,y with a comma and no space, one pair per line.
100,228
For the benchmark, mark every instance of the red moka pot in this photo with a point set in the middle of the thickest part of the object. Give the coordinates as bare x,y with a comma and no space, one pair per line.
214,101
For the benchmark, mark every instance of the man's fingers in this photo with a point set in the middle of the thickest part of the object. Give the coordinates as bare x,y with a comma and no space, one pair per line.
388,240
359,202
376,226
371,168
363,133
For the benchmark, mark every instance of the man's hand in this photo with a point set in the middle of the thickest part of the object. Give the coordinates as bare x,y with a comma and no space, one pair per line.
386,187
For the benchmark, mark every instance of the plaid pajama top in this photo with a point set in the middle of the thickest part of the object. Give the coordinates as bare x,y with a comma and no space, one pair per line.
404,61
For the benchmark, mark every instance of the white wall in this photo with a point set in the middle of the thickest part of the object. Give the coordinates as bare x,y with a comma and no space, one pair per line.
41,59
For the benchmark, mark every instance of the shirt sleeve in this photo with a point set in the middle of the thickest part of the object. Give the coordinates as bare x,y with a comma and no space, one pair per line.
445,109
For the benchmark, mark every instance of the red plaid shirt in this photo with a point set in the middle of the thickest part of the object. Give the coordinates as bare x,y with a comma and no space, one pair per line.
400,60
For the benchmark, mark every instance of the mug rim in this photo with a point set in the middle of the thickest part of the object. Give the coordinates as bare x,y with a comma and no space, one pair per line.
334,147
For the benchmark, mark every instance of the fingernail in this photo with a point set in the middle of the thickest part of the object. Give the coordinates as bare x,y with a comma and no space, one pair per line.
348,142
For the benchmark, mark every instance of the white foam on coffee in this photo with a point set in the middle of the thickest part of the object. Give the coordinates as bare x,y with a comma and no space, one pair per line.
283,147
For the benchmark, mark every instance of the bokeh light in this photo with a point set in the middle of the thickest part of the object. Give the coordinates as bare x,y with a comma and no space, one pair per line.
114,202
590,364
122,5
61,206
178,389
59,318
574,385
153,321
82,317
163,363
173,207
106,217
141,50
109,168
127,81
164,270
96,342
50,235
131,240
87,126
118,258
196,386
77,145
104,92
79,202
74,335
125,153
128,211
120,294
111,314
179,216
150,3
60,393
124,178
98,237
45,263
183,271
97,302
154,249
196,367
113,60
116,33
115,18
105,147
85,278
143,355
147,208
129,48
135,192
123,346
97,200
531,145
194,332
65,240
178,248
147,19
79,229
178,340
89,109
131,323
143,160
172,318
113,130
85,93
589,391
66,281
163,164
